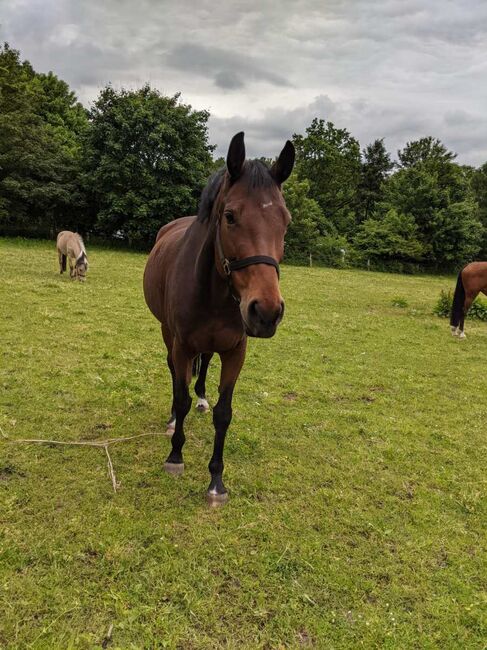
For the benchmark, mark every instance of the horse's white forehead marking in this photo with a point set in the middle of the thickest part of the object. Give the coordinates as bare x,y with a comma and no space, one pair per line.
266,205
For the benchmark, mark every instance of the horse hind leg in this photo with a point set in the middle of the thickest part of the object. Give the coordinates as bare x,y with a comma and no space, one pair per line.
182,403
469,298
200,387
171,423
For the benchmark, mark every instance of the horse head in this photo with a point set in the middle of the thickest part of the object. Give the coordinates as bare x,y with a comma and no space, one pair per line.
251,220
81,267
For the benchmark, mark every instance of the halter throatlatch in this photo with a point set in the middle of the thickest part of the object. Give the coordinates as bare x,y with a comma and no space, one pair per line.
235,265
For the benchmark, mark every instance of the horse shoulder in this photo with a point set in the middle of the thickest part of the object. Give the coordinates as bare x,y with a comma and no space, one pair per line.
178,224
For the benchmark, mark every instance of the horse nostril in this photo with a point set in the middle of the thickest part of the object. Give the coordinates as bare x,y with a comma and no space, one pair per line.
278,314
265,316
281,312
253,312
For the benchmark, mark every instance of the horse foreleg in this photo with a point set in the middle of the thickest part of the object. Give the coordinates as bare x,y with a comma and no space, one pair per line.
181,403
200,386
60,258
232,363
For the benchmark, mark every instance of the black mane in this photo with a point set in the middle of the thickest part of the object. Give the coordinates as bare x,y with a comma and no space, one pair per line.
256,174
209,194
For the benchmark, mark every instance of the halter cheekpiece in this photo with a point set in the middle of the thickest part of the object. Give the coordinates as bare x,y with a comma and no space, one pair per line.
235,265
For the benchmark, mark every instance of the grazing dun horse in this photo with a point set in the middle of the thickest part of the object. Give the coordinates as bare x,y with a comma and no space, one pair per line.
471,281
71,246
212,281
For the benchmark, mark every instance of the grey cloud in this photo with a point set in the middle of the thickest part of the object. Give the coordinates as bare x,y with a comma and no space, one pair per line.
266,135
395,68
461,118
229,69
228,80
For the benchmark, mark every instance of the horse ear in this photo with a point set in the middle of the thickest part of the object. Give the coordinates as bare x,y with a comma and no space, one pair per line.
283,166
236,156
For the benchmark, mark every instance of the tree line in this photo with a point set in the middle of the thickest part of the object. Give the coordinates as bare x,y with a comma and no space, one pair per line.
138,159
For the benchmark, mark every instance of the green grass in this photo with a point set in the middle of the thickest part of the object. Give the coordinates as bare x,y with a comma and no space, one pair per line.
356,464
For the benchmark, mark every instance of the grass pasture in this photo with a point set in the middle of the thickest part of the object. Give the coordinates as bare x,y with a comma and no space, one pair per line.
356,465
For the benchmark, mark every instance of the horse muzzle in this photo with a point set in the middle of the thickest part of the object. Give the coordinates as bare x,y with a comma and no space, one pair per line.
261,319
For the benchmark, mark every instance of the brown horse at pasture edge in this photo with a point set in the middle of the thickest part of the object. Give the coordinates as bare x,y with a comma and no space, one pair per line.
213,280
471,281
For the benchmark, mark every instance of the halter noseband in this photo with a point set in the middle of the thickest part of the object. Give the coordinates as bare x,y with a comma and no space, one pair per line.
235,265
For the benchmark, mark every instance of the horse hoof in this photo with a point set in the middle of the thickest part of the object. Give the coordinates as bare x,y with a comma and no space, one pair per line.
462,335
176,469
202,405
169,431
216,499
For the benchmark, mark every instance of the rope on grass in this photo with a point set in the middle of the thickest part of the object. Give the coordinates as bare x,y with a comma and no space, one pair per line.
111,470
101,444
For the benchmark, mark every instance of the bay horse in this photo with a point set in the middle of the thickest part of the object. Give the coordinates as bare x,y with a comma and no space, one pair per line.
471,281
212,280
70,246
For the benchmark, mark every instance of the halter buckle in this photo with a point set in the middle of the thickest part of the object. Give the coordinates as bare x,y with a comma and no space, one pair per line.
226,266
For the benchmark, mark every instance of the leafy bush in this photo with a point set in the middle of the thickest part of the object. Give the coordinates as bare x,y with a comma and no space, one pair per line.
444,304
399,302
332,250
392,238
478,310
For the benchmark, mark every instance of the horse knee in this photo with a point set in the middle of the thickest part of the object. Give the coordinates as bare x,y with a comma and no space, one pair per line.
182,403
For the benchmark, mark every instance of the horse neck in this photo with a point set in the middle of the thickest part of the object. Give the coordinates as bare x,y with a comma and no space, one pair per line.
79,247
209,283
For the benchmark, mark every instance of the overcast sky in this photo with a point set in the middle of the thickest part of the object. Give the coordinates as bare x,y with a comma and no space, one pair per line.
397,69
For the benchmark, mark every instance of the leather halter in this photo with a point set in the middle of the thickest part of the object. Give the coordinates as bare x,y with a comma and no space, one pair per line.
235,265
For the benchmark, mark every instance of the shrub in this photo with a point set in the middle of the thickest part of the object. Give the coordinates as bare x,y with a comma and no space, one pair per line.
478,310
399,302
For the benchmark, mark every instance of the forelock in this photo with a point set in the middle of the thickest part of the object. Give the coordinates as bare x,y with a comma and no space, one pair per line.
256,175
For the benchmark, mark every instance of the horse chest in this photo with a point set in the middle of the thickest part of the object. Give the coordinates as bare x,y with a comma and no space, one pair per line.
214,337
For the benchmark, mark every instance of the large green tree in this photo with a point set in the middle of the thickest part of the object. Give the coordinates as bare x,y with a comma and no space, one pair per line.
309,235
41,125
376,166
437,194
148,158
329,158
391,239
307,219
425,150
478,181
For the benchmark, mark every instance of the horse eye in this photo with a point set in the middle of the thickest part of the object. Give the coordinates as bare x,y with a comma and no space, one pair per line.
230,218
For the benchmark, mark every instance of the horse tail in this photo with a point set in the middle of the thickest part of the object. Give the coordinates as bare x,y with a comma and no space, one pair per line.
63,261
196,365
458,302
